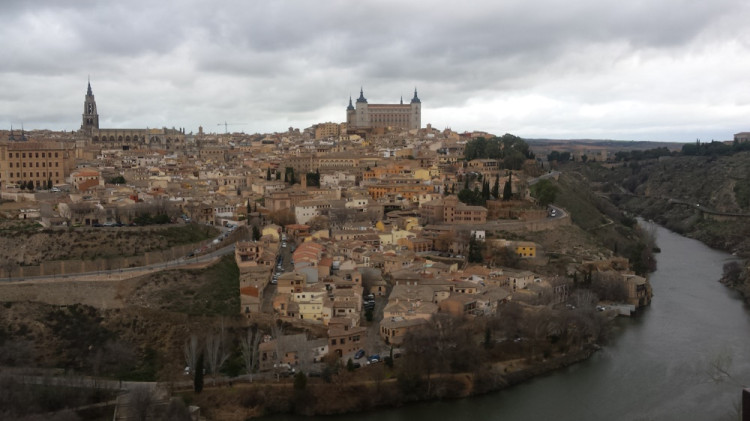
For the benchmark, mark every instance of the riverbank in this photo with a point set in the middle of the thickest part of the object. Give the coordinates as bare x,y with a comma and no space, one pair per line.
345,394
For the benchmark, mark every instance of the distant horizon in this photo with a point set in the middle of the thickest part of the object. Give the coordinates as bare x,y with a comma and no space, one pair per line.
590,70
219,132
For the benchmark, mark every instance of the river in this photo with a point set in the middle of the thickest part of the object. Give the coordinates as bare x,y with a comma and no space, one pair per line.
657,366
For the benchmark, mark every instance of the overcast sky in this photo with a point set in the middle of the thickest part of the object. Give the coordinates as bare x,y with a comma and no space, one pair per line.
667,70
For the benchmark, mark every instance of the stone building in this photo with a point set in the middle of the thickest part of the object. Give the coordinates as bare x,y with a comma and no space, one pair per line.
449,210
328,129
41,162
371,116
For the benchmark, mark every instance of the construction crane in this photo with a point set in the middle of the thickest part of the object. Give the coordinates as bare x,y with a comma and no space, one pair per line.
226,125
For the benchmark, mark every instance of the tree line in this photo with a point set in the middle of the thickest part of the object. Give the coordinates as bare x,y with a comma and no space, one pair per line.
511,149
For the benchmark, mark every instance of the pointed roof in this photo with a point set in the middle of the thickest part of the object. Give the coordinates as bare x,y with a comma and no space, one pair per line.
350,107
361,96
416,98
88,91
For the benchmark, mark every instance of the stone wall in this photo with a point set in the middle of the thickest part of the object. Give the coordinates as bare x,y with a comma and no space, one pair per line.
68,267
100,294
535,225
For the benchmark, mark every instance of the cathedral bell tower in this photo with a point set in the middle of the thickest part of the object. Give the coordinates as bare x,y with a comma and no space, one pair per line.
90,117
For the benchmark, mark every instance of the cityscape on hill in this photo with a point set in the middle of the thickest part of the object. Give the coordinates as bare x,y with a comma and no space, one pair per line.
295,209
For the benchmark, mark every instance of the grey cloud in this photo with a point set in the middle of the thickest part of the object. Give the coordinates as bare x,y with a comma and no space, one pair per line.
277,61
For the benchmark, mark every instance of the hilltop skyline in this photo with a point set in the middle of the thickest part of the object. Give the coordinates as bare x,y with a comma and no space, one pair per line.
596,70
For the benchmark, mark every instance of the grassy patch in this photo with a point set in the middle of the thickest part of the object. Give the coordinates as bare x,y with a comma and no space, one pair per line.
579,201
210,292
186,234
13,228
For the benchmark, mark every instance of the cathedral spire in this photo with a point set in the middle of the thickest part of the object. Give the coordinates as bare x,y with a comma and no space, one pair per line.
361,95
90,118
350,107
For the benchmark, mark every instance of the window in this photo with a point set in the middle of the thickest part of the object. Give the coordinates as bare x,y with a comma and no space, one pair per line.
23,155
55,154
42,154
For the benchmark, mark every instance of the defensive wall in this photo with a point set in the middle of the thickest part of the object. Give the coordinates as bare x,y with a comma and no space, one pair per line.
70,267
533,225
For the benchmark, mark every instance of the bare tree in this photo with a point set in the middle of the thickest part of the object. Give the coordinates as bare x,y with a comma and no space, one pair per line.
250,349
609,286
277,333
141,402
216,353
300,345
7,266
283,217
319,223
191,349
584,298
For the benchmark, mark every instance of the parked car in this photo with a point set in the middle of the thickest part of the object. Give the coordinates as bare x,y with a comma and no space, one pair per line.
374,358
359,354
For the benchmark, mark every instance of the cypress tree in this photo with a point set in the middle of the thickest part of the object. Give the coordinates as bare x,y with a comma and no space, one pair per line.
198,379
508,189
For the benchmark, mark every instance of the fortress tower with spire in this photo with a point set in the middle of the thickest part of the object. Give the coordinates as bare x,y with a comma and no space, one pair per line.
369,117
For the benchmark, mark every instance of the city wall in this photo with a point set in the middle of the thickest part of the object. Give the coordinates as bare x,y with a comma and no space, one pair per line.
534,226
103,295
70,267
105,291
